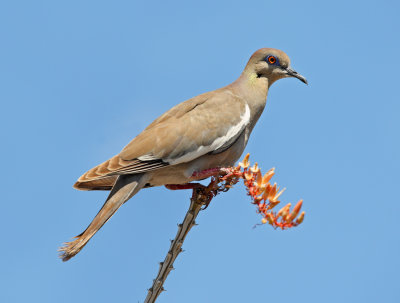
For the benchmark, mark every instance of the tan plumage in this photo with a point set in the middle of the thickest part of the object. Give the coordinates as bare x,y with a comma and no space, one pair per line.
207,131
176,137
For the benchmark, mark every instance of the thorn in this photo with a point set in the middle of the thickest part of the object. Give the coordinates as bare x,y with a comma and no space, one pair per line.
171,267
179,224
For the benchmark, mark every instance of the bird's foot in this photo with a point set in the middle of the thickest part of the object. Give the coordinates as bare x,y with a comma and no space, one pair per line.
205,192
200,192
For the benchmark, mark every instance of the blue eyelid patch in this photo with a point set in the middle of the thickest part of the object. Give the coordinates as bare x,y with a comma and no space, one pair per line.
276,62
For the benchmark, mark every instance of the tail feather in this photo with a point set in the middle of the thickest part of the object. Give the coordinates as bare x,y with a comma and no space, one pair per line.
105,183
125,187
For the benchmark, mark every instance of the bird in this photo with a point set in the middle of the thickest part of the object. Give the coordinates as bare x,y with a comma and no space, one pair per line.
189,142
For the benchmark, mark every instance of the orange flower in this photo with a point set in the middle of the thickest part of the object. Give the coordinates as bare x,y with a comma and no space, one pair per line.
300,218
275,198
270,218
273,191
266,192
285,211
272,204
295,211
264,195
254,169
268,175
248,176
245,163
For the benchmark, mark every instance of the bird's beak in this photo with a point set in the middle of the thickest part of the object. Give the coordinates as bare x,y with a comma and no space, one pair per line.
292,73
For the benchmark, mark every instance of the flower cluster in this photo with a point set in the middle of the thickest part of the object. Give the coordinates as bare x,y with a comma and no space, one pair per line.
263,194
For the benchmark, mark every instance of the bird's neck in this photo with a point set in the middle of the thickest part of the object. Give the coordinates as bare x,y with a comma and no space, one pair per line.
254,89
250,84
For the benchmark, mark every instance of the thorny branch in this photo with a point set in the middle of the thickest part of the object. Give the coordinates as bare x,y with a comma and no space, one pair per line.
199,198
263,195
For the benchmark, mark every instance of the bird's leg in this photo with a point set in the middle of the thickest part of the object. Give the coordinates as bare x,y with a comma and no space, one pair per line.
183,186
207,191
197,175
204,174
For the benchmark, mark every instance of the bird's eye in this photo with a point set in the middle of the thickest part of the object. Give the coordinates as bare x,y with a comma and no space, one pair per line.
271,60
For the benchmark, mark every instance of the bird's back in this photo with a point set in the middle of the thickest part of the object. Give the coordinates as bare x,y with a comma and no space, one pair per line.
132,159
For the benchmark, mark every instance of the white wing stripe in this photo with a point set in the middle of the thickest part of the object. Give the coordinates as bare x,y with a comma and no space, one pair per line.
147,158
217,143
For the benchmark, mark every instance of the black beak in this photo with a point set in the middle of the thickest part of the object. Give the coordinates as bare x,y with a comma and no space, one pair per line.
293,73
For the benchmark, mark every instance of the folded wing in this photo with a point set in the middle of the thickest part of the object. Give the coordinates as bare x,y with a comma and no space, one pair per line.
208,123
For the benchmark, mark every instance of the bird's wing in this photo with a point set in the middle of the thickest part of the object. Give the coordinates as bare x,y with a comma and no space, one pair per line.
199,126
104,175
208,123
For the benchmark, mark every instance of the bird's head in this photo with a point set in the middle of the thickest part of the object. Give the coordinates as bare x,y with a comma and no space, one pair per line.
270,64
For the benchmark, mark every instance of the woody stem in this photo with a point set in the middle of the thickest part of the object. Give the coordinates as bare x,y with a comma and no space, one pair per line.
199,198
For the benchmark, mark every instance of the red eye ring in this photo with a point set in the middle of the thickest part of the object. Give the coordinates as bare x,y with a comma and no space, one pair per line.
271,60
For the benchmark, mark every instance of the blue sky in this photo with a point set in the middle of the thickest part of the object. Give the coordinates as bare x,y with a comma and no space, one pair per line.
80,79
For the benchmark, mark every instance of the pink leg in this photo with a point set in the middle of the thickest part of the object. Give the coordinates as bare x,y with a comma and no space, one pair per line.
182,186
212,172
198,175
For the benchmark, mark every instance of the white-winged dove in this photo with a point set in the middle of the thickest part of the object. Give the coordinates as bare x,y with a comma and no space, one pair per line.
189,142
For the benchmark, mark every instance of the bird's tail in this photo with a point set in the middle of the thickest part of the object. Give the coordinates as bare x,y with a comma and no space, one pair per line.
125,187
